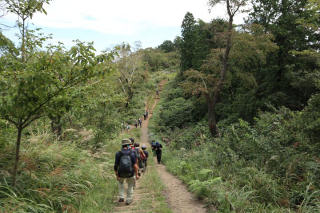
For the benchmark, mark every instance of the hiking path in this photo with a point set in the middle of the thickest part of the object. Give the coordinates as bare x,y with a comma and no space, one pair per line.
149,196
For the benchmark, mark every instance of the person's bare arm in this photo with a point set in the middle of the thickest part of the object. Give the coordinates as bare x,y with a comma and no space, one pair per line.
117,176
136,169
116,164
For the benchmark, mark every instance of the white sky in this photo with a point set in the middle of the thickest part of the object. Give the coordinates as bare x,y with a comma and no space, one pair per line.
150,21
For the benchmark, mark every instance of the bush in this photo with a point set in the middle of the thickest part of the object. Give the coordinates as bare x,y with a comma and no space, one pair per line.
54,177
271,165
176,112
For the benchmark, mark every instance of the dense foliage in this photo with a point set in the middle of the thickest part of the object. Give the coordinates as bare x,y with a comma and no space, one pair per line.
62,112
265,157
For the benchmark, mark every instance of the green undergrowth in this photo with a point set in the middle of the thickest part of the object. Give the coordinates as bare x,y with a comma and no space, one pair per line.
75,172
270,166
56,176
66,175
60,176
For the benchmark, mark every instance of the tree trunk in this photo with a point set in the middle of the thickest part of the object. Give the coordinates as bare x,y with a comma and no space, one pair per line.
23,55
17,155
56,126
212,116
130,94
213,99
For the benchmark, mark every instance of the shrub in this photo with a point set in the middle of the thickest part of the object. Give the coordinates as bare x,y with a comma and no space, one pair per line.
271,166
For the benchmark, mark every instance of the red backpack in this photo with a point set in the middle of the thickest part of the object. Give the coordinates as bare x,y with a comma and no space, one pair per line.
142,155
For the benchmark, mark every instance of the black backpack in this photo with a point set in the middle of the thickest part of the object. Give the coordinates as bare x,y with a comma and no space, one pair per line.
125,169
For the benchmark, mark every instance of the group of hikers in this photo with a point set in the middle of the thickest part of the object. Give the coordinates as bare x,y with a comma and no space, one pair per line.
130,163
137,123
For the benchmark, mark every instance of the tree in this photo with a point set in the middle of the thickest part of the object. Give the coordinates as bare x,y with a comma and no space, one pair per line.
195,45
129,65
249,53
74,96
167,46
188,41
12,93
34,79
295,26
30,88
7,46
25,9
177,42
232,7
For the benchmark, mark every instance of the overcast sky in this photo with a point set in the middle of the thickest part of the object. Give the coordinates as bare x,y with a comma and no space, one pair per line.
110,22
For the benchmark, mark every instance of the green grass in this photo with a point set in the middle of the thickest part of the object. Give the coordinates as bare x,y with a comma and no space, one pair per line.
99,199
58,176
154,200
153,184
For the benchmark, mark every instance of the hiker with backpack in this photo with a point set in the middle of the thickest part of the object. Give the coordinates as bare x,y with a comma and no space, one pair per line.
140,122
126,169
132,141
158,149
144,147
132,148
153,147
140,156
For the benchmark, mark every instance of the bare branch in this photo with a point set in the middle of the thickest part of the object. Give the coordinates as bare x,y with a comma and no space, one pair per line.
30,121
124,90
10,120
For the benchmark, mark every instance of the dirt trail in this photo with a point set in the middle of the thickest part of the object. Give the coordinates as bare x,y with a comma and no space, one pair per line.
180,200
178,197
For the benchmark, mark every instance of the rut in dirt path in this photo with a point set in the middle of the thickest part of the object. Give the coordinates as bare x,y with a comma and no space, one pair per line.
180,200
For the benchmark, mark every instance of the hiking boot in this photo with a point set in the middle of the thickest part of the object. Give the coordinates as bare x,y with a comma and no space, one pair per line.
128,202
121,200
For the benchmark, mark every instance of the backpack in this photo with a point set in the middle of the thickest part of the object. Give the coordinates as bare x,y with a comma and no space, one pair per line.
125,169
158,147
143,156
153,145
137,153
139,156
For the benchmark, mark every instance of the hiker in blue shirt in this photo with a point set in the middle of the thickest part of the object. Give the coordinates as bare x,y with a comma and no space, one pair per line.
126,167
